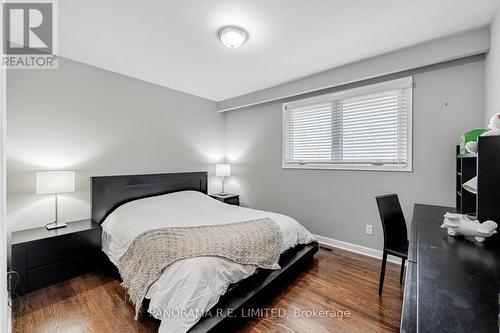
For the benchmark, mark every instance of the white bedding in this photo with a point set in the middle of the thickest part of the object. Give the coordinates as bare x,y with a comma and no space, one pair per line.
188,288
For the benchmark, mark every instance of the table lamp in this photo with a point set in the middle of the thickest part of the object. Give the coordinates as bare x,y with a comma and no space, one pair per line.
55,182
222,170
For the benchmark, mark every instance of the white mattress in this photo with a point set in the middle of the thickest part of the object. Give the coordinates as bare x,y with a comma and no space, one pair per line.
188,288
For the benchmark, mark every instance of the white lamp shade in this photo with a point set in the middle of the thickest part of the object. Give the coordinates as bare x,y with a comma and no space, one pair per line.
52,182
223,170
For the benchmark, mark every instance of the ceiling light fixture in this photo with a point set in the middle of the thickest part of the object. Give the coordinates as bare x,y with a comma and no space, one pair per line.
232,36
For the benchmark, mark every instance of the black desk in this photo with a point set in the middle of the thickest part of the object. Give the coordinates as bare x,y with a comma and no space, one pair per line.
452,283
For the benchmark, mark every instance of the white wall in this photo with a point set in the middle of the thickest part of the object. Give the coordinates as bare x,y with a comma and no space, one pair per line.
5,311
97,122
493,70
338,204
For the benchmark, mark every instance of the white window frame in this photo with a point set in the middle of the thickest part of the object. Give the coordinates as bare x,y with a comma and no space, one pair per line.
387,85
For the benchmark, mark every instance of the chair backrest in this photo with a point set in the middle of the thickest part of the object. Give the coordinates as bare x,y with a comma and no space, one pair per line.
393,221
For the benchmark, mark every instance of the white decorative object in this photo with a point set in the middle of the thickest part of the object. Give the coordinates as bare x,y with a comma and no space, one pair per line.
494,130
471,147
471,185
493,125
459,224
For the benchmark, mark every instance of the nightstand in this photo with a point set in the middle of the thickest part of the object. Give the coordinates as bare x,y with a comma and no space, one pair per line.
232,199
43,257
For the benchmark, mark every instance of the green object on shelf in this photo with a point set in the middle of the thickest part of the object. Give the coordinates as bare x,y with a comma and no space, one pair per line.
470,136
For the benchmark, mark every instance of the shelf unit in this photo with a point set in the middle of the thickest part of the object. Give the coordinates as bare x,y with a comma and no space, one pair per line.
466,170
486,165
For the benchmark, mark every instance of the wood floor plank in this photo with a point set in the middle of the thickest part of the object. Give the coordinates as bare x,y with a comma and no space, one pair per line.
335,281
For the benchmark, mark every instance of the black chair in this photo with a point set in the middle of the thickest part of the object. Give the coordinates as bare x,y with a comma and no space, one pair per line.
395,233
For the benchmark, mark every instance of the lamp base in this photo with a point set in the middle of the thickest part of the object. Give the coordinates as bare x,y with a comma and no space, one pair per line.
55,225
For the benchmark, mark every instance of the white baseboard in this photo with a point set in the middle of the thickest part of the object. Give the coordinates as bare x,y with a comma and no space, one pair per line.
330,242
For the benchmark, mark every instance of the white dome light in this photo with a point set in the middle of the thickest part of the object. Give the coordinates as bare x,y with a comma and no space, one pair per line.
232,36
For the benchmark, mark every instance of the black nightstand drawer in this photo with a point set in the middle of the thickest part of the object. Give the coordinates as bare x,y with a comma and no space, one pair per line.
233,201
46,275
51,250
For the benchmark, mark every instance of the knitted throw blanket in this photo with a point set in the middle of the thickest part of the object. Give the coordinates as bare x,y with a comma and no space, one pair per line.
256,242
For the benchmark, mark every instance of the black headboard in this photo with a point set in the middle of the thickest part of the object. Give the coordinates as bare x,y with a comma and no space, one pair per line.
109,192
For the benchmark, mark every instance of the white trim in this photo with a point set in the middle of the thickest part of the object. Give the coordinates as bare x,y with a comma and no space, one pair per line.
350,167
366,251
5,311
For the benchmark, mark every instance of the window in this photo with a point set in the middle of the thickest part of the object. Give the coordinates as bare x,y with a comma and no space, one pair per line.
367,128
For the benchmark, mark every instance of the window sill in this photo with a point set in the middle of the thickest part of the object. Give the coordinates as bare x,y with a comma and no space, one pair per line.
385,168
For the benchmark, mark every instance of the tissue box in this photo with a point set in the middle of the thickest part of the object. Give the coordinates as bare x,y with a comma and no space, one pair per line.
470,136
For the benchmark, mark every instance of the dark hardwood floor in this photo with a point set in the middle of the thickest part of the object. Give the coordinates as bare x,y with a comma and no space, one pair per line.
336,281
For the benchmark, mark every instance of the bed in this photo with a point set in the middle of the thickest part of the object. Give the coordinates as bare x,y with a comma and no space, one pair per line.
126,206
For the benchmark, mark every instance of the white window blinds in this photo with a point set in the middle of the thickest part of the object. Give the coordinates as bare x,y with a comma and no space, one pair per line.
362,128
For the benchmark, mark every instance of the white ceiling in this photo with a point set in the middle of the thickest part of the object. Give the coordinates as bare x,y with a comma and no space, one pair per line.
174,44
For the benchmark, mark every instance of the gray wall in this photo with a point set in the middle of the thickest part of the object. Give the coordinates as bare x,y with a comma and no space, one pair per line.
338,204
424,54
493,70
97,122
